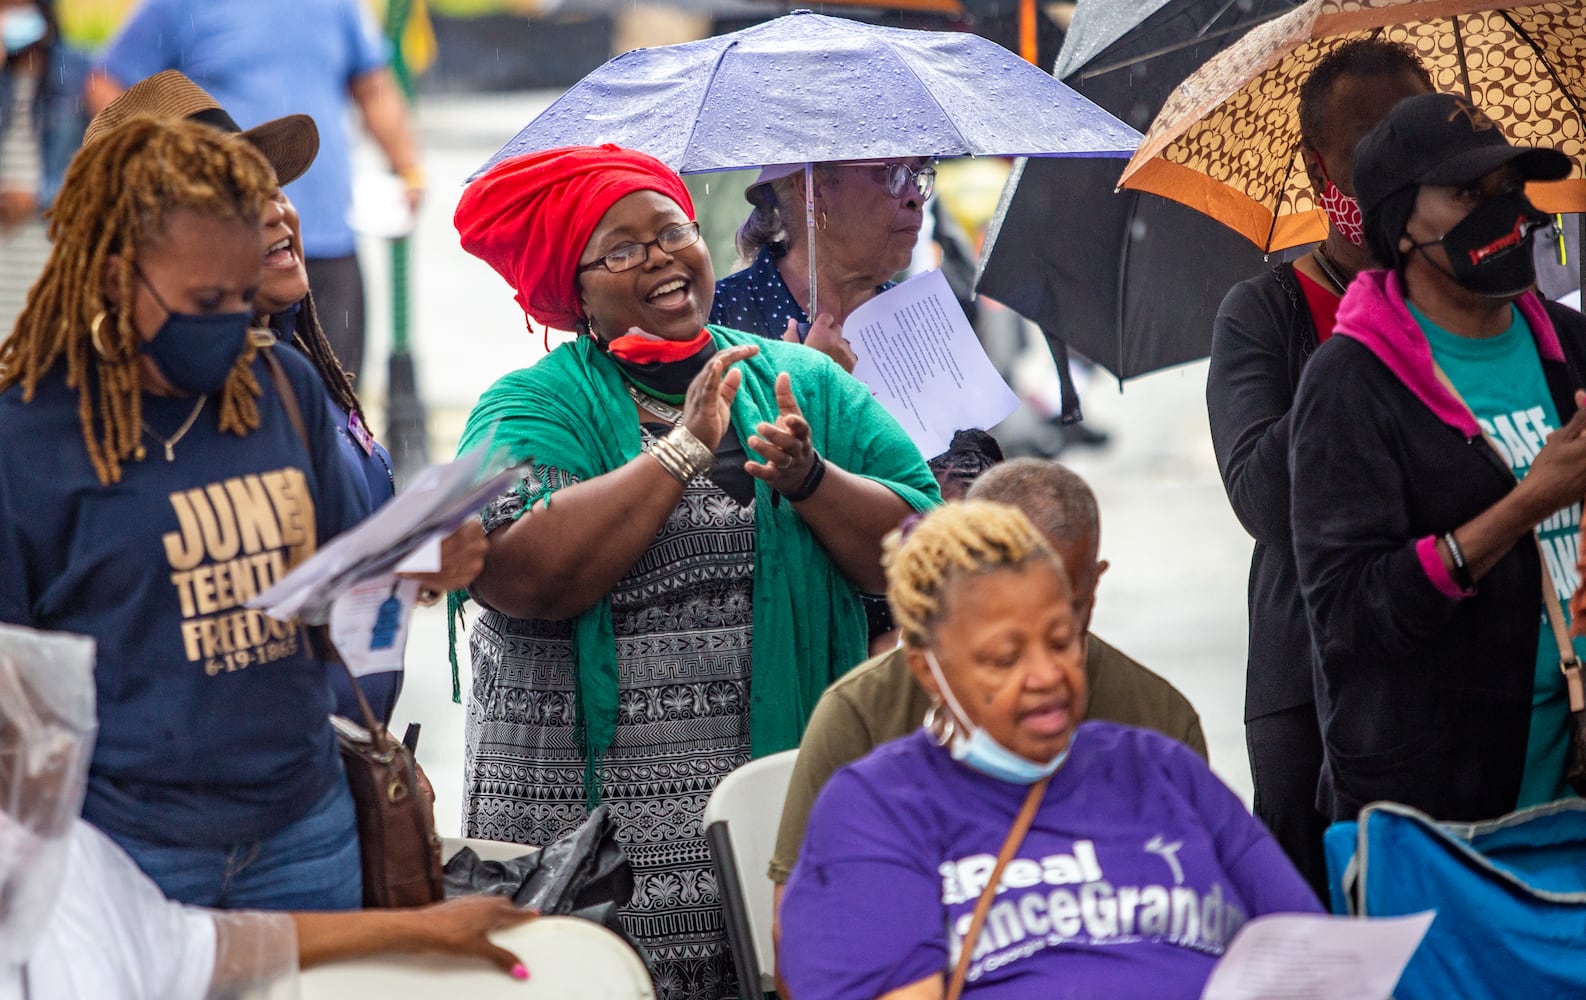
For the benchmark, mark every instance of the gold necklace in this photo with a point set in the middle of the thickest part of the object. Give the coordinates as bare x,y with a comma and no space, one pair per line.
170,442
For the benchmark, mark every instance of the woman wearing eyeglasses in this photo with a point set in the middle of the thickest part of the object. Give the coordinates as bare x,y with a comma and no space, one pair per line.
867,218
677,581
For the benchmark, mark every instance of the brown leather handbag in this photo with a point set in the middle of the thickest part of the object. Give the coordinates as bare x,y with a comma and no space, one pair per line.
400,851
397,843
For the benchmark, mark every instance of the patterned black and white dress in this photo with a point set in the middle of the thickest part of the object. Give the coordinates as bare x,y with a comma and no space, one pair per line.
682,617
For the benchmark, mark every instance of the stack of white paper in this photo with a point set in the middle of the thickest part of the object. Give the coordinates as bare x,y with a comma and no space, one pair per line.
434,504
922,361
1304,956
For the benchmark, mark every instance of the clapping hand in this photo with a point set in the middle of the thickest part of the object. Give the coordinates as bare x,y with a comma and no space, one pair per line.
785,445
707,408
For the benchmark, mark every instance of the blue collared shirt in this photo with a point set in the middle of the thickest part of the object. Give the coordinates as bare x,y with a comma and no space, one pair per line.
312,56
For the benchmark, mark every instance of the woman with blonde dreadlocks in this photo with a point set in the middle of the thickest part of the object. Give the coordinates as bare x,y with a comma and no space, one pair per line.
151,481
1132,866
290,144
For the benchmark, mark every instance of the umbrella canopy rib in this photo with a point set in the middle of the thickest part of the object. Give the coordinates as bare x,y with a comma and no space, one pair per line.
715,68
1459,57
1237,28
1226,139
1550,68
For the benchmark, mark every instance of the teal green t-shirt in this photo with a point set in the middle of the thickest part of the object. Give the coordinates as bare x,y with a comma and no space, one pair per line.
1502,382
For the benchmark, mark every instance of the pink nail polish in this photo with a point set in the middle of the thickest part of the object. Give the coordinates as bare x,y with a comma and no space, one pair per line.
520,971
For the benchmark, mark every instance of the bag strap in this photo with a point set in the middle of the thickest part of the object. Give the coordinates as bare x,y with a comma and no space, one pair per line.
283,388
1568,663
1021,826
378,734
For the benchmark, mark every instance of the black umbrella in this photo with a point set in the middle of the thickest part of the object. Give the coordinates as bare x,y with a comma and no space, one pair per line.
1131,281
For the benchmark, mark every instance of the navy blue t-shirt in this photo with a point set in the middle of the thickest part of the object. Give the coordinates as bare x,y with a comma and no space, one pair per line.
372,468
212,717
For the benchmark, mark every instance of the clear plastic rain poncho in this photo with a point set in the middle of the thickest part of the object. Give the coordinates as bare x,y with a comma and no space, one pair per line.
47,728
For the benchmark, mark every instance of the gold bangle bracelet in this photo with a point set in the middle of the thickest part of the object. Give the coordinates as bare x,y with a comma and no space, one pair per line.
669,460
682,455
699,458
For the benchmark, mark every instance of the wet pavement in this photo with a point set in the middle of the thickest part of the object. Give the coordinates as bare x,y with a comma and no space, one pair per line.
1174,597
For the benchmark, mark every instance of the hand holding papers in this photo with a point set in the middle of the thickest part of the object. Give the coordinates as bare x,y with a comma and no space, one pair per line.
1299,956
923,363
369,621
369,624
438,500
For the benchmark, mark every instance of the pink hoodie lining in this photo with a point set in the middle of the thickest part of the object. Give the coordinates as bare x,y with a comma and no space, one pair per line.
1432,566
1374,313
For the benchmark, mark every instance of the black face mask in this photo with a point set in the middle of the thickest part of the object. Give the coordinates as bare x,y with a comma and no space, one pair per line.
667,381
1489,250
196,352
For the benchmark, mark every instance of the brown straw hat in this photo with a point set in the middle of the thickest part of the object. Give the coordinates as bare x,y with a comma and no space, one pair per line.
290,143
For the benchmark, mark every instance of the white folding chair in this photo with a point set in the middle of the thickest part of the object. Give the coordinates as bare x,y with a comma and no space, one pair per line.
488,850
740,828
567,957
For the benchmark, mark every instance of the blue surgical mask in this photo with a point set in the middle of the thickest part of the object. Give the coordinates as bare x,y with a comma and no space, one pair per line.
22,27
975,748
195,353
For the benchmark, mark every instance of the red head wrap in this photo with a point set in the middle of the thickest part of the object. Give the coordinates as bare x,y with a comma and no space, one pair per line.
531,216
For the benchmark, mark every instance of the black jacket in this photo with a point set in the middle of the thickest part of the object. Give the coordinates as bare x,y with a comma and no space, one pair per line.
1424,697
1261,340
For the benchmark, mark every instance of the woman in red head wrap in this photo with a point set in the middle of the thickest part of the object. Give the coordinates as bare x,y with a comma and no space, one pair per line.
719,502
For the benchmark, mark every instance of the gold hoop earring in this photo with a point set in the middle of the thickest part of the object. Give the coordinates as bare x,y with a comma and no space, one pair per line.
821,221
93,335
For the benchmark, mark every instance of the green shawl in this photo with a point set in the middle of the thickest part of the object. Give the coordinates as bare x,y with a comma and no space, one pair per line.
570,411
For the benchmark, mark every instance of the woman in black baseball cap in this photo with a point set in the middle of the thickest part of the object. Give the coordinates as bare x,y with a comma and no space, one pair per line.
1426,554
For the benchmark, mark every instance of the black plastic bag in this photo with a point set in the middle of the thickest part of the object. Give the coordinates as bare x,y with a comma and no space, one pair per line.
584,874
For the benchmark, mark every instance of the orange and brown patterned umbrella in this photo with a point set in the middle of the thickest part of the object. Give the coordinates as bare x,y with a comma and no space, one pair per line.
1227,141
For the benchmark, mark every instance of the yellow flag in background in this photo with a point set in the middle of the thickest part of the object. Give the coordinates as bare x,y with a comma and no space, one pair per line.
90,24
418,37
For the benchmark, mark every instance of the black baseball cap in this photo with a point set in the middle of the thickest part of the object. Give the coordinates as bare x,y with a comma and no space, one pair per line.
1441,139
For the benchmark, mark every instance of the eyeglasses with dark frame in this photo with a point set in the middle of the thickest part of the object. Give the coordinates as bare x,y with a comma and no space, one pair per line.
631,255
900,176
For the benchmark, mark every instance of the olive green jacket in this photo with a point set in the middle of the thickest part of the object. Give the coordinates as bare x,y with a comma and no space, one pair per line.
879,701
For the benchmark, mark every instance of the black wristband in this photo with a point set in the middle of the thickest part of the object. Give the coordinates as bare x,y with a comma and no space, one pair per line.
811,483
1462,577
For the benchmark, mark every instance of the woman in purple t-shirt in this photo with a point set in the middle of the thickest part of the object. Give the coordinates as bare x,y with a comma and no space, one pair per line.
1139,865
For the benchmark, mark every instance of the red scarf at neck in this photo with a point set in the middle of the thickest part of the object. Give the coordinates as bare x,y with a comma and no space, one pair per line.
638,349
